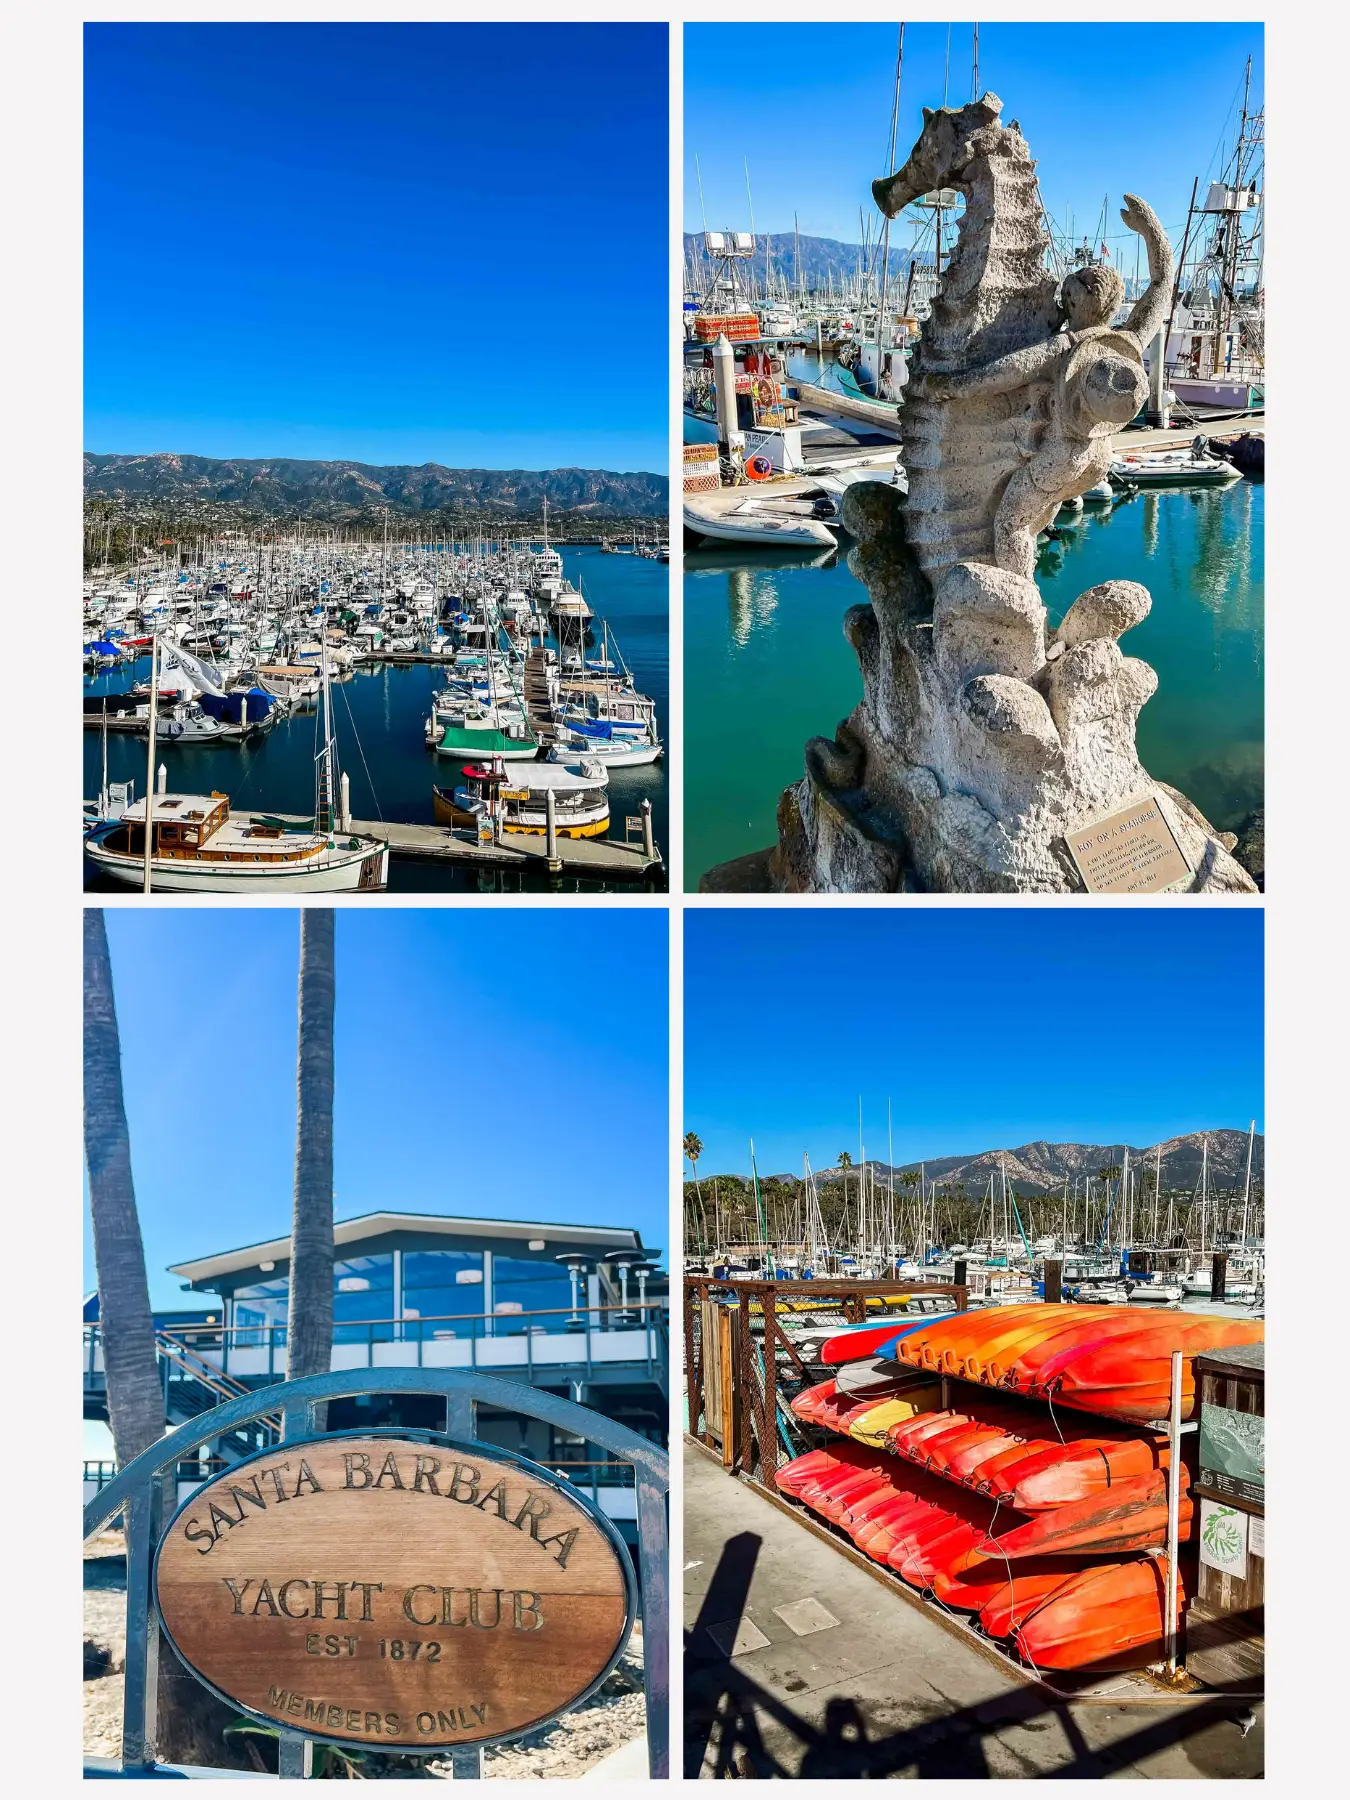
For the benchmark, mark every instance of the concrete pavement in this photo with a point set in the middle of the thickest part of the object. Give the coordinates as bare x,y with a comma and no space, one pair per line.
799,1664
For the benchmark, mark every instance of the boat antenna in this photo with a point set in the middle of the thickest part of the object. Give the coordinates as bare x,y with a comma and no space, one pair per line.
947,66
698,176
975,66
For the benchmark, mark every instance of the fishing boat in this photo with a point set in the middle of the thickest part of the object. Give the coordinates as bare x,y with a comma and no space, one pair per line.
579,789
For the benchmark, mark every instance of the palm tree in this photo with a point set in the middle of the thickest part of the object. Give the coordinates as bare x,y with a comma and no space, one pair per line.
693,1149
135,1398
189,1721
845,1160
309,1326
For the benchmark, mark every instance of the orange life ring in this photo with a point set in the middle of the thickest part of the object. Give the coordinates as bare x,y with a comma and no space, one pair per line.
758,468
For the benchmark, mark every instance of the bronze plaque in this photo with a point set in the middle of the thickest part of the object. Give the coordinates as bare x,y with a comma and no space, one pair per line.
1131,851
385,1591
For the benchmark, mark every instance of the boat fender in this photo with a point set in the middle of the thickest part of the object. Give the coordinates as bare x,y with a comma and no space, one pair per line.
758,468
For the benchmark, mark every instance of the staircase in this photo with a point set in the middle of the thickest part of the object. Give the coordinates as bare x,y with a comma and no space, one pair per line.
192,1386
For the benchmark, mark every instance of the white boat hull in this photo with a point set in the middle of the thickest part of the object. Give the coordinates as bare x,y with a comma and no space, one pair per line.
338,872
787,533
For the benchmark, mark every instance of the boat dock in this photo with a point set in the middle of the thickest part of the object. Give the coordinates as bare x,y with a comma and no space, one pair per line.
439,843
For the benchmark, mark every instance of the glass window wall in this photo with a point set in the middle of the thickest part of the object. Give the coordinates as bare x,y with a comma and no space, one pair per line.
443,1291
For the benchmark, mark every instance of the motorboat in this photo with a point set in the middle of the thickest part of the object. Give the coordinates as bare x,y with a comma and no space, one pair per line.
518,801
1185,466
754,521
199,846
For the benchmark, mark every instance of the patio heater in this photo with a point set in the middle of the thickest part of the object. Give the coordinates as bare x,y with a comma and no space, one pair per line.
623,1263
576,1267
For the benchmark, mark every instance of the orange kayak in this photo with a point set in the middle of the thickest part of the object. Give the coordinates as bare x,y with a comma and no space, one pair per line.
974,1589
928,1348
1131,1516
1132,1378
1076,1470
1108,1618
1031,1327
1012,1367
1017,1596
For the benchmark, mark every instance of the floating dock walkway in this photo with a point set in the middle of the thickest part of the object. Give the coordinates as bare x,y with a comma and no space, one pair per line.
438,843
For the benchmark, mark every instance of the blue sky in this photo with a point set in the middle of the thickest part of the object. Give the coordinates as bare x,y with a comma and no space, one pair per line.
495,1064
1103,108
988,1027
395,243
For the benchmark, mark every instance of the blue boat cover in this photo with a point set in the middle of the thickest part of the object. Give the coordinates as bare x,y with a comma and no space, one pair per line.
592,728
226,707
103,648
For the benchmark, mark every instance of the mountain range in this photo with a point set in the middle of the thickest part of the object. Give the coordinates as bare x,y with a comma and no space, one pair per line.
283,486
821,259
1041,1168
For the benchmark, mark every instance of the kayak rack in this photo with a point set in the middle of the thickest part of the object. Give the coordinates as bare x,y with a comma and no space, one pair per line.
952,1623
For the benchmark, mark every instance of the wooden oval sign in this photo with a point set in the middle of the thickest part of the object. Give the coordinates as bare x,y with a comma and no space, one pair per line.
381,1590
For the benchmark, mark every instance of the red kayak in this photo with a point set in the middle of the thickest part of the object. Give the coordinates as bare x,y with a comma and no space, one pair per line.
804,1469
974,1589
808,1402
1131,1516
1017,1596
1108,1618
1077,1470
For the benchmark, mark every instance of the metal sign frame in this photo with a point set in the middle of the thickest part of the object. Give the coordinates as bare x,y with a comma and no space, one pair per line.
138,1492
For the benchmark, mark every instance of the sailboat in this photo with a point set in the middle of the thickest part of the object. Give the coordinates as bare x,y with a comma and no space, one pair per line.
191,843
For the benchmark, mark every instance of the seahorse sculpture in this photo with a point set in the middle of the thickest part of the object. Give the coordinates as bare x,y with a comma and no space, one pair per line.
980,745
996,297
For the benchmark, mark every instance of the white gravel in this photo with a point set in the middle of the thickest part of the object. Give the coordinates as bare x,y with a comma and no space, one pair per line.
563,1752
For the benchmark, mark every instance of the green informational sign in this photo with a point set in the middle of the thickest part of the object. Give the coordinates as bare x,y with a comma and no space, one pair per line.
1233,1444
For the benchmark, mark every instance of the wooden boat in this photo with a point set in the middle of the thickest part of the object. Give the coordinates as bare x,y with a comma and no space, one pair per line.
199,847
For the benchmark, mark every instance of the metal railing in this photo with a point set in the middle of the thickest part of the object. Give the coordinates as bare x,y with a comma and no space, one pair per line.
737,1376
585,1327
138,1492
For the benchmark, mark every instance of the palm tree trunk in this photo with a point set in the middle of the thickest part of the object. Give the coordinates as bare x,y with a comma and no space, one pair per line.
135,1398
310,1320
188,1720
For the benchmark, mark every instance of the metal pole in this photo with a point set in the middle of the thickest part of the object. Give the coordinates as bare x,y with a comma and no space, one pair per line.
1173,1510
550,826
648,839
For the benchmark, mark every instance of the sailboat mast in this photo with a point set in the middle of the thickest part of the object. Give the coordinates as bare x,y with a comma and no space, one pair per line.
1251,1141
150,761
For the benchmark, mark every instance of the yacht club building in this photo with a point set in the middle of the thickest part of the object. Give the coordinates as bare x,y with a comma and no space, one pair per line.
579,1310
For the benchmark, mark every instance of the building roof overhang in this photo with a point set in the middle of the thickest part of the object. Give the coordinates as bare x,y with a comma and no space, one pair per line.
378,1224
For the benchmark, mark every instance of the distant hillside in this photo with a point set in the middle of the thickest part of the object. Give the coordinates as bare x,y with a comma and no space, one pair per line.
822,259
338,491
1040,1168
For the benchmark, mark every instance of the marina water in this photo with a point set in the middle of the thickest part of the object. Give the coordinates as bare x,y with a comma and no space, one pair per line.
379,718
767,665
